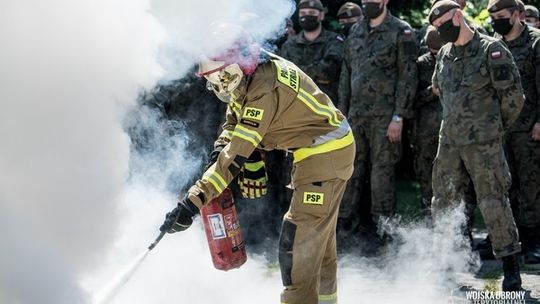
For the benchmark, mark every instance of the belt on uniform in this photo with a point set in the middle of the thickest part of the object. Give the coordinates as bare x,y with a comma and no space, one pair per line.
329,146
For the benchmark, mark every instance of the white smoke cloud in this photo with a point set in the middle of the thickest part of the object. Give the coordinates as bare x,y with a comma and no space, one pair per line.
424,266
70,69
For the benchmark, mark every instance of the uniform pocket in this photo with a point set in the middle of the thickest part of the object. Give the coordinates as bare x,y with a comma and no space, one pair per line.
386,55
478,79
313,199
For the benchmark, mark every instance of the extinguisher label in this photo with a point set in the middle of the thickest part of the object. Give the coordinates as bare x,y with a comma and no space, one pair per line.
217,225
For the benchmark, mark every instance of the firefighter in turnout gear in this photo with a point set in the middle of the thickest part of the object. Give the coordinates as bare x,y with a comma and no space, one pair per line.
272,104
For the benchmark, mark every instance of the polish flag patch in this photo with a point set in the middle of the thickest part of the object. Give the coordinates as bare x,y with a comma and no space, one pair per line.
407,32
496,55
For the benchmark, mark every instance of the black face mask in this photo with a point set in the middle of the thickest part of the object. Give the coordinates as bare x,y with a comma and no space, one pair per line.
448,31
502,26
372,10
309,23
346,28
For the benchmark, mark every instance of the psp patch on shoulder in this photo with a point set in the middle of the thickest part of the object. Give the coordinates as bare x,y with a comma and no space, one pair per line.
496,55
407,32
253,113
313,198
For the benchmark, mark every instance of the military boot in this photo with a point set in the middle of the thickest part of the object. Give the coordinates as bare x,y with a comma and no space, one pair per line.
531,250
512,278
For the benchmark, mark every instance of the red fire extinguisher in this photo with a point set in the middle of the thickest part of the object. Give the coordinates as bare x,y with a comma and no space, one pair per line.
223,232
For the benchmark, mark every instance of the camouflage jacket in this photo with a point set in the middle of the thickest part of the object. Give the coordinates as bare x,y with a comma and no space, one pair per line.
427,107
319,59
526,52
480,90
378,75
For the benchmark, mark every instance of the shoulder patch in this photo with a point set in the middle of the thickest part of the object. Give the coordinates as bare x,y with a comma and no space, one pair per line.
407,32
250,123
253,113
496,55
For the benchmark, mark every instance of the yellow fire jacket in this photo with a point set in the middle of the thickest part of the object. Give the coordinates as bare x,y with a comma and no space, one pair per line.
278,107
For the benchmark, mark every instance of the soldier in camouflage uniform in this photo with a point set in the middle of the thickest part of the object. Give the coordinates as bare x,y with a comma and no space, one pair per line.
377,83
314,50
428,115
480,91
522,145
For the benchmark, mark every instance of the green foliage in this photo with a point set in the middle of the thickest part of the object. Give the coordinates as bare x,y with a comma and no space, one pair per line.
413,11
533,2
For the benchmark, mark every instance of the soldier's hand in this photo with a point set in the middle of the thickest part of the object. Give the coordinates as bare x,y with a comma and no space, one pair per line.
394,131
536,132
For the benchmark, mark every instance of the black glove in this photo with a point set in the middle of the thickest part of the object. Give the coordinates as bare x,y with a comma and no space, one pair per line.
180,218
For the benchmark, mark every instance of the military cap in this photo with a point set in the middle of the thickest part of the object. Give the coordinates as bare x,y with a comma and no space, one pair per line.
349,9
531,11
497,5
316,4
435,1
432,38
440,8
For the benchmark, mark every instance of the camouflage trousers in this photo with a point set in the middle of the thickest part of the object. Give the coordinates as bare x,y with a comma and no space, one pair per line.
376,159
425,149
523,156
485,165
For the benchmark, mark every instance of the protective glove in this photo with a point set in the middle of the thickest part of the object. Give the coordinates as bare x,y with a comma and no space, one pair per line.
253,179
180,218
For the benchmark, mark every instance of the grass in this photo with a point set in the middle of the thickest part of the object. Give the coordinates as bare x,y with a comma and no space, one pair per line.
408,198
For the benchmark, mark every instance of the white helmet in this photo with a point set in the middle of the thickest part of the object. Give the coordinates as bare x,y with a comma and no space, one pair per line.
223,78
225,71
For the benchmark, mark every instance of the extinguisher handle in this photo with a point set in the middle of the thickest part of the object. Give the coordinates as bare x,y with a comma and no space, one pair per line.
161,235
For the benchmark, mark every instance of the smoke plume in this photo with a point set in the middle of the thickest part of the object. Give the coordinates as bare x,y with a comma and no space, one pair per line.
70,70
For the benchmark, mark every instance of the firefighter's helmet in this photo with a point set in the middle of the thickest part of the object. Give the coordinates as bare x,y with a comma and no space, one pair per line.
226,70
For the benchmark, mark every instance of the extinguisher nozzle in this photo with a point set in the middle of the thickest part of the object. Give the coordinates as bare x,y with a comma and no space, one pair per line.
161,235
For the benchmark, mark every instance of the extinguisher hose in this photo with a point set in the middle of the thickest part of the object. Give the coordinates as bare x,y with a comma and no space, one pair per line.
161,235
